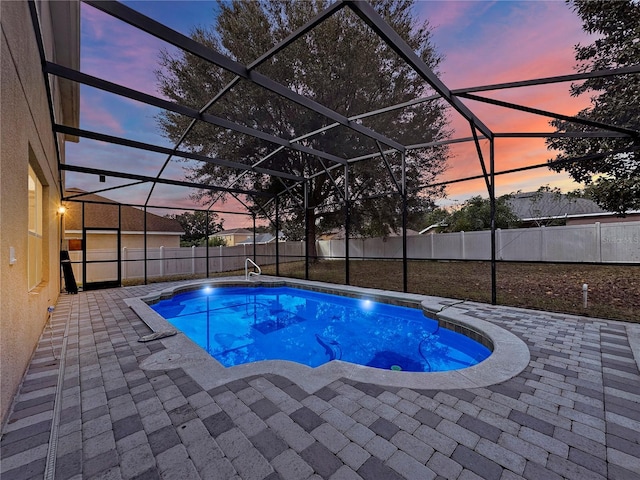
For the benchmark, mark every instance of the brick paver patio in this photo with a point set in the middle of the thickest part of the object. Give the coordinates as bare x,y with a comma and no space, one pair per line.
86,410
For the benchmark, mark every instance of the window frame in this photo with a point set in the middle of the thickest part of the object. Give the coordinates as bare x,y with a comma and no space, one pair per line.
35,230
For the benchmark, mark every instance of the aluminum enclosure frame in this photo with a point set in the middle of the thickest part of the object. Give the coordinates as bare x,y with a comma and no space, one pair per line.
478,129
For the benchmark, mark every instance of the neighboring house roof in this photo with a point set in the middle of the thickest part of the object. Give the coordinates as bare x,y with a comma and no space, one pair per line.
545,205
105,215
233,231
260,238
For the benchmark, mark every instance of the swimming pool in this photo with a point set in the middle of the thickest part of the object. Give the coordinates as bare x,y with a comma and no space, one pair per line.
238,325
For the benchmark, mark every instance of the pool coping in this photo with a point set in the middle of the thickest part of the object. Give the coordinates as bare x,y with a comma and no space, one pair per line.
509,357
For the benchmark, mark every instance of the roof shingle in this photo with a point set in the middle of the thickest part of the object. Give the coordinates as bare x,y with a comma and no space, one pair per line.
105,215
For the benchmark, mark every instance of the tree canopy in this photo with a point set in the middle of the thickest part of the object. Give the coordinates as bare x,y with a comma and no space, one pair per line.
340,64
612,175
195,228
474,215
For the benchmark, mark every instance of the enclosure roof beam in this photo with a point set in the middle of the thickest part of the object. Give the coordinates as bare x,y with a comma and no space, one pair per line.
291,193
303,30
546,80
140,205
481,88
328,170
157,29
367,13
389,170
102,190
586,158
155,148
360,116
545,113
502,86
561,135
438,143
167,181
417,146
122,91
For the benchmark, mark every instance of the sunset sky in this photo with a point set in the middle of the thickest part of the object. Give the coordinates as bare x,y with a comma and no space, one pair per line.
483,42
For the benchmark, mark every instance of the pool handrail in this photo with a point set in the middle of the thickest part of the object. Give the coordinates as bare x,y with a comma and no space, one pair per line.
247,273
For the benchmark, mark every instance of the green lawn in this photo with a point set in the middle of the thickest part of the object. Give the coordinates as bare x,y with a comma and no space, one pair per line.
614,291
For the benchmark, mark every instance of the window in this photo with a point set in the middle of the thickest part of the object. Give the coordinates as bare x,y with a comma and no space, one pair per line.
35,230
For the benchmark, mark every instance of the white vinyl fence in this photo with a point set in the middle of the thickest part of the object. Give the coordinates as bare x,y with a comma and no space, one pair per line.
166,261
594,243
597,243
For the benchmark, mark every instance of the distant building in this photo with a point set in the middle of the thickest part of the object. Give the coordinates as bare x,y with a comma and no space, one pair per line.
234,236
262,238
544,208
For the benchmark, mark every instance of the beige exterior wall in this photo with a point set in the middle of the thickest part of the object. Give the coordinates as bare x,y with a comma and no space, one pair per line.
632,217
233,239
26,138
129,240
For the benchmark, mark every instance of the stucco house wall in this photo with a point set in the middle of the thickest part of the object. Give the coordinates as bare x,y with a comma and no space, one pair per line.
129,239
610,218
26,139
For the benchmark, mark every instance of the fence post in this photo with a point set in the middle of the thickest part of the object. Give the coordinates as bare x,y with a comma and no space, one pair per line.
124,263
499,243
598,242
462,246
162,261
432,247
543,246
220,256
193,259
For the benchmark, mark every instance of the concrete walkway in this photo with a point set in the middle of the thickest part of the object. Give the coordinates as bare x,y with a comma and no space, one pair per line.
87,410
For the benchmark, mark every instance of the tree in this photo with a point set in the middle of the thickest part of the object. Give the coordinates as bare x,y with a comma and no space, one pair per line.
475,214
217,242
612,178
340,64
195,226
435,216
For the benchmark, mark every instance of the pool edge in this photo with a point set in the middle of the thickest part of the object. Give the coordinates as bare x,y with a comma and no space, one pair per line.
509,357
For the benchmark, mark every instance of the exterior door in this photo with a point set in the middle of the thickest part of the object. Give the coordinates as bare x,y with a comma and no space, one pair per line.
101,254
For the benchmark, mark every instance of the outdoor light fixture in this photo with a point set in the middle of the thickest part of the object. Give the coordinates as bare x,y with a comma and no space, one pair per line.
62,209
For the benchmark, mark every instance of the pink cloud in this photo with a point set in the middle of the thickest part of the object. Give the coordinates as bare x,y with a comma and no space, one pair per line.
442,15
514,41
536,39
95,116
118,52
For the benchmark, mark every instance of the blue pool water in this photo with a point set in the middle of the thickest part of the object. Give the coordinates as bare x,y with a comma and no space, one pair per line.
247,324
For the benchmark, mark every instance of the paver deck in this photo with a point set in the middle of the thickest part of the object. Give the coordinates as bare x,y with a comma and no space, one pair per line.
86,409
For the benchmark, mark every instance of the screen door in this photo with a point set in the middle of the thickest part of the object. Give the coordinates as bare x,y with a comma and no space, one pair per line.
101,253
